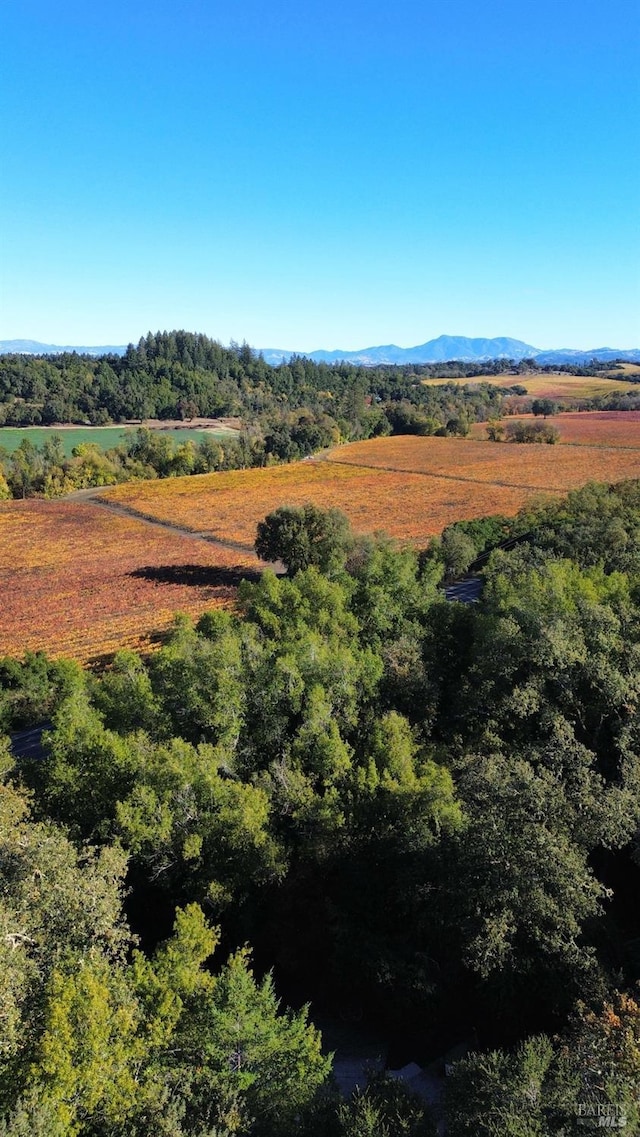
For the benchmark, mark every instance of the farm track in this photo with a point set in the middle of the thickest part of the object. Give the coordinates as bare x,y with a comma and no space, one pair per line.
447,477
93,497
597,445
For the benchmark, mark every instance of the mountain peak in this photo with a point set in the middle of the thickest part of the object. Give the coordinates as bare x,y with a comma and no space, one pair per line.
440,350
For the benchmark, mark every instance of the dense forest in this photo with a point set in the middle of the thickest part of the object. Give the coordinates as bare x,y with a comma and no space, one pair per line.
180,375
421,815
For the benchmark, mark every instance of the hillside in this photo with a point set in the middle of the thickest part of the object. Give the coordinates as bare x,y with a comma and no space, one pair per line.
410,487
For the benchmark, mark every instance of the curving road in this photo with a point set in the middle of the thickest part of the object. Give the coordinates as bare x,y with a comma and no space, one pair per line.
466,591
28,743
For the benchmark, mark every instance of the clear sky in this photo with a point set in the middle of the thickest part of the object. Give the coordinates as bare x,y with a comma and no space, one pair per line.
320,173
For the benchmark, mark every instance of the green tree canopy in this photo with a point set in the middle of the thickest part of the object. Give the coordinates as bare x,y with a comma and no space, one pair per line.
301,536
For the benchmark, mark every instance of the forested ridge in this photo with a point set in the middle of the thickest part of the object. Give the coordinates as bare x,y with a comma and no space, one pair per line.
181,375
283,413
419,814
169,373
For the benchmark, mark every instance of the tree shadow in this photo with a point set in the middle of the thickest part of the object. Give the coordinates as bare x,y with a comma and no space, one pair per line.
197,576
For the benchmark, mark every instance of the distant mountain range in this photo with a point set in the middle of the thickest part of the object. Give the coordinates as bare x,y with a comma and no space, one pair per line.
33,347
462,348
440,350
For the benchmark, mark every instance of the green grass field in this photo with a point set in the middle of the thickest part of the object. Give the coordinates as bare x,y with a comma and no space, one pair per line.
105,436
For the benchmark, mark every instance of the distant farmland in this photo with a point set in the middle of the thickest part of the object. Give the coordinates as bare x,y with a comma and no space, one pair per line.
556,384
106,437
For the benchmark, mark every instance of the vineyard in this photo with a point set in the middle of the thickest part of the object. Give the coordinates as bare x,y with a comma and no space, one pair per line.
80,581
533,468
592,428
405,504
411,487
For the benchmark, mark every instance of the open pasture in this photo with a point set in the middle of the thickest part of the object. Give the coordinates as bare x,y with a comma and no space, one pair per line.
551,385
585,428
106,437
80,581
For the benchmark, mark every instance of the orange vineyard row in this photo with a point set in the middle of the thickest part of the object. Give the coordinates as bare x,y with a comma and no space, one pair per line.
411,487
537,468
587,428
406,505
79,581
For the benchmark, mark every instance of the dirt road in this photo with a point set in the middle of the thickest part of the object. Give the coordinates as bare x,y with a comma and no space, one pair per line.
96,495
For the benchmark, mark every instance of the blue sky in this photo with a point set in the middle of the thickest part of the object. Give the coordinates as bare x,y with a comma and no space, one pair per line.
305,175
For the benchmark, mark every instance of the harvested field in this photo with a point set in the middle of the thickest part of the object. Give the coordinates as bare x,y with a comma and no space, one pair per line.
586,428
82,582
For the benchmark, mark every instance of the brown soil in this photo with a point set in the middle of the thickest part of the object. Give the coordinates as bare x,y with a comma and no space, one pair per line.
229,424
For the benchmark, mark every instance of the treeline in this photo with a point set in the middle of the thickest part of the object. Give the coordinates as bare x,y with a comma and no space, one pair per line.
287,413
517,402
421,814
614,402
181,375
45,471
597,524
593,367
